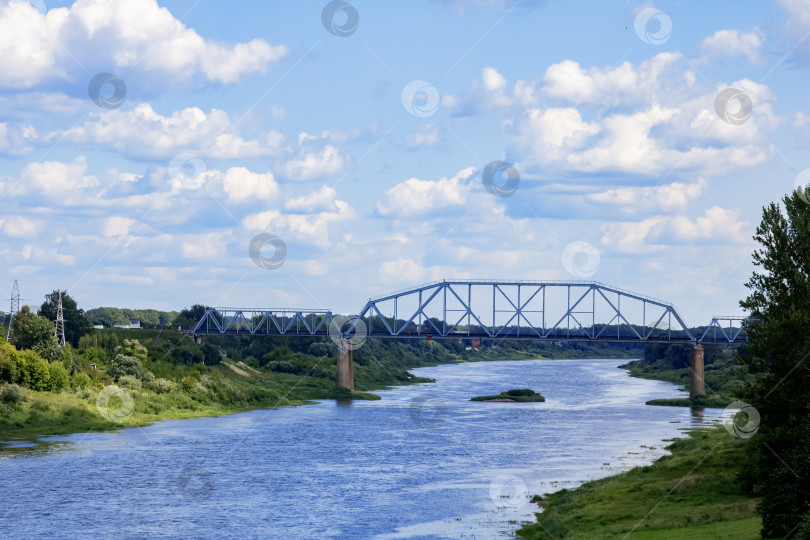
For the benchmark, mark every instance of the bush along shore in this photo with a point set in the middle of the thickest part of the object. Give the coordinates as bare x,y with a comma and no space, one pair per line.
117,378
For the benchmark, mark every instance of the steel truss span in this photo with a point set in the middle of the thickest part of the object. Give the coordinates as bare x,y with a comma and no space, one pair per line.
271,322
535,310
490,311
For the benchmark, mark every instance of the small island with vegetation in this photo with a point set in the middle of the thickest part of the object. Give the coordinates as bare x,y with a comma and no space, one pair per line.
520,395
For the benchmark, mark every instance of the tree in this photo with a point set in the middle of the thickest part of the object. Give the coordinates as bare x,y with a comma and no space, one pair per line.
76,324
211,354
779,469
123,365
29,331
190,316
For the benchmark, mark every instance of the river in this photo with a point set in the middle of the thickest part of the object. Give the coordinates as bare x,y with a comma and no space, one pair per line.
423,462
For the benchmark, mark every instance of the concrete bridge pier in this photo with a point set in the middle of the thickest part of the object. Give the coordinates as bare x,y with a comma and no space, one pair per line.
697,386
345,366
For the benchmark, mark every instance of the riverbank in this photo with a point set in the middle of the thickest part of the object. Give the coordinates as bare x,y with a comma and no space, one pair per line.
290,372
691,494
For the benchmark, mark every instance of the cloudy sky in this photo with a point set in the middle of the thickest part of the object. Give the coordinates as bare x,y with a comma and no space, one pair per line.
146,146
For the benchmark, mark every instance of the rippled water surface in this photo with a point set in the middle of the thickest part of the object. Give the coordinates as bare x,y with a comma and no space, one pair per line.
423,462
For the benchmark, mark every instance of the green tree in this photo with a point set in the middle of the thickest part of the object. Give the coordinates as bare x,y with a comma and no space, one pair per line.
123,365
29,331
190,316
779,469
210,354
76,324
133,347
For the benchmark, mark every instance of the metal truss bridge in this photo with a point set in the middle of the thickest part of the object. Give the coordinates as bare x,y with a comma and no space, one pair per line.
487,310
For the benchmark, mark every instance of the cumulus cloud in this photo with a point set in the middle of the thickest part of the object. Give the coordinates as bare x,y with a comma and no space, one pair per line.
243,185
138,38
323,199
734,43
312,165
20,227
716,226
424,137
143,133
488,93
667,131
52,180
667,198
415,197
313,228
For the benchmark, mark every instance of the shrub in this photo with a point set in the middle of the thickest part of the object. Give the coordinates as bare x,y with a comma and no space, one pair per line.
58,377
130,381
123,365
39,375
148,376
8,369
80,380
10,393
163,386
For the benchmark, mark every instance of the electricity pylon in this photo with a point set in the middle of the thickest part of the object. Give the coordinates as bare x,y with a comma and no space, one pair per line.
60,324
15,306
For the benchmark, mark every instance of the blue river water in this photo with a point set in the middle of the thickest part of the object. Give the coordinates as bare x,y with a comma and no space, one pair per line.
423,462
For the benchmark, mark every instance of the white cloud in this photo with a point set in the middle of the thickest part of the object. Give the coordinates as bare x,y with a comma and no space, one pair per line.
401,270
143,133
717,226
20,227
424,137
623,84
209,246
418,197
117,226
312,228
311,165
488,93
323,199
666,198
138,38
53,180
243,185
734,43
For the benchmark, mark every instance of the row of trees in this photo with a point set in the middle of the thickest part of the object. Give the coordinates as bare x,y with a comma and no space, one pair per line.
778,470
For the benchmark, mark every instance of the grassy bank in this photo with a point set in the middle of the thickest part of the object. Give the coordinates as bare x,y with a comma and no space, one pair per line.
178,378
692,493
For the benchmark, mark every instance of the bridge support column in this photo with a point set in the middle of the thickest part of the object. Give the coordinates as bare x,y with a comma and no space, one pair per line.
345,366
697,386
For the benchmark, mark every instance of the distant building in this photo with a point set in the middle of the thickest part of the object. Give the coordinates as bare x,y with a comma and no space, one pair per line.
133,323
98,326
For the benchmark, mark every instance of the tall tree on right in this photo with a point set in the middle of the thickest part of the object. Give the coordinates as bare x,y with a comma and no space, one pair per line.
779,467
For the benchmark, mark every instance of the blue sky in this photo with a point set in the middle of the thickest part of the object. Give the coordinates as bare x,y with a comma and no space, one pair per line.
248,118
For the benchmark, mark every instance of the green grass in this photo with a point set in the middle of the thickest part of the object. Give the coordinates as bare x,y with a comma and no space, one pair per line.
692,493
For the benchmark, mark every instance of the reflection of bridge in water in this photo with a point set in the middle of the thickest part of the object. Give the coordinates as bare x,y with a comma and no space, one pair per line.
491,311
